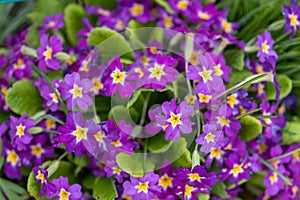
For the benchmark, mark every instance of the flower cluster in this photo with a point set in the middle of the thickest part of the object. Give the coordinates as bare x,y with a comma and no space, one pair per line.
169,120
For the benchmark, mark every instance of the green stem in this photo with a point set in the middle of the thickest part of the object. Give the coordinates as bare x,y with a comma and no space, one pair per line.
43,75
286,179
248,113
145,154
284,155
145,109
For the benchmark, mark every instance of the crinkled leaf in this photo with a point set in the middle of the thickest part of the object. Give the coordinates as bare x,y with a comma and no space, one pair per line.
251,128
291,132
134,164
203,196
104,189
73,17
286,86
24,98
184,160
220,190
158,143
235,58
110,44
119,113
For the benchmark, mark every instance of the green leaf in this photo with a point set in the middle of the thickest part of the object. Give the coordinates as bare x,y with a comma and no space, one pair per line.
134,164
184,160
158,143
111,4
291,132
137,94
81,161
203,196
111,43
195,159
286,85
12,190
238,76
235,58
35,130
73,17
220,190
48,117
88,181
256,78
23,98
3,116
251,128
33,188
119,113
166,6
104,189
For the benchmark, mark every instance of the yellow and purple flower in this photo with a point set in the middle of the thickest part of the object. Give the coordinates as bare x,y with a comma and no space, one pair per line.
51,22
265,43
65,191
292,17
77,91
46,53
143,188
19,131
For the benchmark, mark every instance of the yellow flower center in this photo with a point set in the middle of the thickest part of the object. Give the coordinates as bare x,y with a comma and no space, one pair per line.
116,170
226,26
64,195
48,53
76,91
168,22
216,153
265,47
223,121
204,98
190,99
182,5
165,181
126,197
144,59
157,71
228,147
116,143
236,170
262,148
295,190
194,176
118,76
194,58
12,157
49,124
188,190
273,178
99,136
37,150
293,20
120,25
203,15
218,70
52,24
140,72
174,119
281,109
80,133
275,163
19,64
242,110
103,12
259,69
296,156
206,75
142,187
267,120
153,50
84,67
40,176
231,100
3,90
54,97
20,130
97,85
260,88
137,9
209,138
